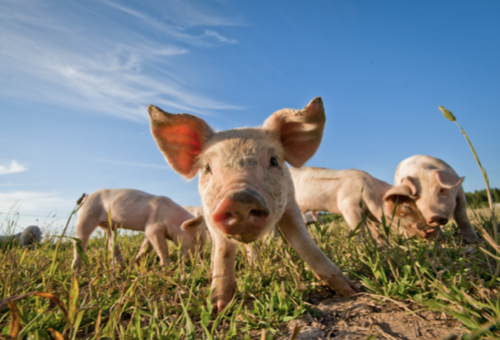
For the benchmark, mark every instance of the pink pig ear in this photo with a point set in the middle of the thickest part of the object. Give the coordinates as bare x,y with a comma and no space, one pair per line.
180,138
192,223
448,179
400,192
300,131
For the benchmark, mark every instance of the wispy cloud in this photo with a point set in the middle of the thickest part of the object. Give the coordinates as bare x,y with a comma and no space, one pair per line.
108,57
13,168
46,209
33,202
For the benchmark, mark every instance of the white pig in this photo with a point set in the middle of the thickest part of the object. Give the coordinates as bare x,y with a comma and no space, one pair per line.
194,210
158,217
245,185
438,191
343,191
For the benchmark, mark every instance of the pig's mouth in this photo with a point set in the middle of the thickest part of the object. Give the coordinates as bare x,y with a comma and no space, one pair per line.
241,215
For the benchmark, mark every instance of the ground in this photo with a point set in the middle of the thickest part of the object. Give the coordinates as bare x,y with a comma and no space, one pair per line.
363,316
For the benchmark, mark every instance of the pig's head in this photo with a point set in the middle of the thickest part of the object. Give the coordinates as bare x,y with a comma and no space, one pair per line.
400,208
436,194
244,182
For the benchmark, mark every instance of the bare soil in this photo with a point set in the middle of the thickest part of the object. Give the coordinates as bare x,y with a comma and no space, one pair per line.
363,316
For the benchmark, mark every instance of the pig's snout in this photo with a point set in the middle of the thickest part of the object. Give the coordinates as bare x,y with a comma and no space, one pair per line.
437,220
241,212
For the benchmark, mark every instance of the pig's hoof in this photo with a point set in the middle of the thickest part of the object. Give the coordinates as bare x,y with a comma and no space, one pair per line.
471,240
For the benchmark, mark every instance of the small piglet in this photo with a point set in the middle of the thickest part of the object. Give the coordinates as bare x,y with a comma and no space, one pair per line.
438,191
158,217
245,185
354,193
29,237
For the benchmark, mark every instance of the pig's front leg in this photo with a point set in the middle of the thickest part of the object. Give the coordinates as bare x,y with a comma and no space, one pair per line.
460,214
145,249
295,232
156,237
223,278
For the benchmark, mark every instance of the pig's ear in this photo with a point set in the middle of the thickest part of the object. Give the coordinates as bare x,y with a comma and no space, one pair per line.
448,179
180,138
399,192
409,182
192,223
300,131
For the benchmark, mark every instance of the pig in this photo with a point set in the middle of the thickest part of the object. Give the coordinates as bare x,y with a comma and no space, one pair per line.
30,236
438,191
245,185
311,217
194,210
354,193
158,217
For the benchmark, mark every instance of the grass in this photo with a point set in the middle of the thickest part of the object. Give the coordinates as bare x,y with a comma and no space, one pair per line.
146,301
41,299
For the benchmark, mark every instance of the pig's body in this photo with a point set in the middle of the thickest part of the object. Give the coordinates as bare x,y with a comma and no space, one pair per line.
438,191
245,185
158,217
354,194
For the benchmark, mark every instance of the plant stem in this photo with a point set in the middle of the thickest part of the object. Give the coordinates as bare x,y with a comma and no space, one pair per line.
492,242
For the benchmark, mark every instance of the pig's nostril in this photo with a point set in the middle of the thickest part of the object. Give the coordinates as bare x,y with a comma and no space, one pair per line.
259,213
437,221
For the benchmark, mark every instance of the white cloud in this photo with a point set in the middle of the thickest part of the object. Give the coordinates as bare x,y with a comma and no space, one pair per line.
47,209
220,38
13,168
29,201
106,57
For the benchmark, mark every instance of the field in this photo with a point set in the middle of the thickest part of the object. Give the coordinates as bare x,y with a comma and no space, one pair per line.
412,289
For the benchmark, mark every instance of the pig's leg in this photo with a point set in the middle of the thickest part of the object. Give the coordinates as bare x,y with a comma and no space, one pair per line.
460,215
295,231
84,228
251,252
113,248
223,278
156,237
353,216
145,249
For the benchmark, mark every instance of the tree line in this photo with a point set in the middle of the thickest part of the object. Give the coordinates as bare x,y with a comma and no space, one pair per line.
479,198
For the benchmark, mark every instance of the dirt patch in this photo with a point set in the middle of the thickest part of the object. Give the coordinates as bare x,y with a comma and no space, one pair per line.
363,316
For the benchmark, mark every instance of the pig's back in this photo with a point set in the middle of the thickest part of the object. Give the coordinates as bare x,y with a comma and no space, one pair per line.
129,208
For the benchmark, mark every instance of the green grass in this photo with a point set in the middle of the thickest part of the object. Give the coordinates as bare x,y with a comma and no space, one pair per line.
146,301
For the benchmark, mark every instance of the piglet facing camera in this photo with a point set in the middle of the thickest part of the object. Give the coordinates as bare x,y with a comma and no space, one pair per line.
245,185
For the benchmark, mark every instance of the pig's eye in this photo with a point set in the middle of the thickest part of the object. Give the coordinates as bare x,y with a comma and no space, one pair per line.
207,168
273,162
442,191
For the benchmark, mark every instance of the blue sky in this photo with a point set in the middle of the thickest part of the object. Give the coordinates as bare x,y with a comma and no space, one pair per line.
76,78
